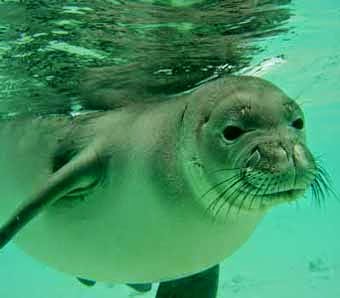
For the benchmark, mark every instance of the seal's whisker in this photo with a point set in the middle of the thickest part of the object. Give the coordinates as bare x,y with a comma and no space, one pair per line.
302,103
223,170
277,183
260,189
223,199
231,195
310,172
321,168
226,199
326,181
266,181
321,185
253,176
318,158
234,179
235,197
269,181
319,193
230,179
253,195
316,192
252,202
245,197
272,182
295,179
286,184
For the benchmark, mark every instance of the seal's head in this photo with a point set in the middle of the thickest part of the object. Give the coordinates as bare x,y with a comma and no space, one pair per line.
247,146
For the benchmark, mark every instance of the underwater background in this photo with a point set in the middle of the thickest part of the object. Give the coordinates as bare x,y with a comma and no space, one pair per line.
55,53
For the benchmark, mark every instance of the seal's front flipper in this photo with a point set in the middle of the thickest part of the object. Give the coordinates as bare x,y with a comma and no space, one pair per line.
82,171
201,285
86,282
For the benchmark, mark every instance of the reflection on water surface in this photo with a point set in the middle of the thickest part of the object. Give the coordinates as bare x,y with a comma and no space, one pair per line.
131,48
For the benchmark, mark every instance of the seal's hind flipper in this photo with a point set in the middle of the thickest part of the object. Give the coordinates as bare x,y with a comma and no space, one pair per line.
80,172
86,282
142,288
201,285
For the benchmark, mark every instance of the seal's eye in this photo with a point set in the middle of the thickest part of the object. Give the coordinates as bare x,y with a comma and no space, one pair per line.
298,123
231,132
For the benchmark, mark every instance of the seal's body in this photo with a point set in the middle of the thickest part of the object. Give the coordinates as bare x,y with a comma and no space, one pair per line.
142,224
155,191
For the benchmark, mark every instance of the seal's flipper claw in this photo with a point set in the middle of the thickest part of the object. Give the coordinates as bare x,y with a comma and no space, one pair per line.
86,282
82,170
142,288
200,285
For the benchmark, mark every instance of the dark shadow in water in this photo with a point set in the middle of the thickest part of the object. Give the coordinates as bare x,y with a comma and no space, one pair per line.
56,53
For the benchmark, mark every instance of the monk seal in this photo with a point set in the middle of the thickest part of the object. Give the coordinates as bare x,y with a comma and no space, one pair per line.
154,191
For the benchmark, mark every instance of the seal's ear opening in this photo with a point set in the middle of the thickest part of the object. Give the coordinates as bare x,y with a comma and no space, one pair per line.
78,172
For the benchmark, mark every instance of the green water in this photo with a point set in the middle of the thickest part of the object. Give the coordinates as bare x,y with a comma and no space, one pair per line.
44,50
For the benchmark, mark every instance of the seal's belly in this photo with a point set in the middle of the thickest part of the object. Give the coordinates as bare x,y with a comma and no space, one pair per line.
132,235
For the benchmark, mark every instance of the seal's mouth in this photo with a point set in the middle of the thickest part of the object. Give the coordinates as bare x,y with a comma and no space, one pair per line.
237,194
281,188
292,193
289,195
262,190
269,199
229,191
